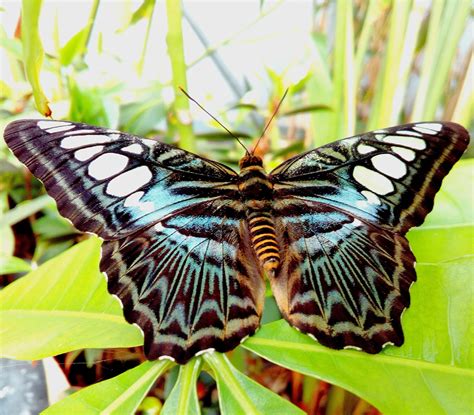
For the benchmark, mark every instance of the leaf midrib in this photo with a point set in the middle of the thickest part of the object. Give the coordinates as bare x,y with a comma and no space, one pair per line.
79,314
384,359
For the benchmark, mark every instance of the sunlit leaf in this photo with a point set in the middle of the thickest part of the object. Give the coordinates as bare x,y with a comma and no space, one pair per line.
62,306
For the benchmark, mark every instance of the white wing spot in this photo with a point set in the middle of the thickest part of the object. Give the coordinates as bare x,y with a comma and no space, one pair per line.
244,338
312,336
432,126
107,165
84,140
59,129
425,130
45,124
412,142
129,181
372,198
134,201
405,153
409,132
158,227
164,357
380,132
119,300
133,148
76,132
364,149
350,347
372,180
387,344
86,153
356,222
210,350
389,165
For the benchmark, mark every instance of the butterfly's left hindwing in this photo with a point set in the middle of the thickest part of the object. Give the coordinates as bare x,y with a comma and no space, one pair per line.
191,281
176,251
341,212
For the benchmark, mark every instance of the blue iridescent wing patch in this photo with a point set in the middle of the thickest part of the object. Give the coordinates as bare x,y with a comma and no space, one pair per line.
342,211
176,249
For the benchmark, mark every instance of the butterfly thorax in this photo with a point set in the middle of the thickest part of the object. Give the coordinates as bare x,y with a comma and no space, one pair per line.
256,191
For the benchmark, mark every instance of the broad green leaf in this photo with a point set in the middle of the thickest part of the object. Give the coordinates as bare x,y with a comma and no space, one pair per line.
33,52
12,265
238,394
454,202
183,397
436,363
120,395
62,306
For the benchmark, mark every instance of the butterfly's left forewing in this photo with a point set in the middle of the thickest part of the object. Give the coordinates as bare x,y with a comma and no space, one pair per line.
176,251
341,212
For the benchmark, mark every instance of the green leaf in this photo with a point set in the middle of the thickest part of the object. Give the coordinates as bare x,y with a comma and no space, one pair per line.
238,394
74,47
436,363
119,395
62,306
12,265
183,397
453,204
33,52
24,210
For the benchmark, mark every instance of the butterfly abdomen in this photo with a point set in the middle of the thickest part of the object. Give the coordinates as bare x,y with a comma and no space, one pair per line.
264,241
257,192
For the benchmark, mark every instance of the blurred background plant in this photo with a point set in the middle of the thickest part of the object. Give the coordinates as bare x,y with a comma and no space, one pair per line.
351,66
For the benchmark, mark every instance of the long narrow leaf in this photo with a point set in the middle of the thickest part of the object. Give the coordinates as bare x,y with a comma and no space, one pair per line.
429,55
120,395
453,24
344,76
33,52
239,394
382,106
180,117
183,397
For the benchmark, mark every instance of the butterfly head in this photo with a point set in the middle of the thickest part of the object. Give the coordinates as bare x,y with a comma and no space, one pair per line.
250,160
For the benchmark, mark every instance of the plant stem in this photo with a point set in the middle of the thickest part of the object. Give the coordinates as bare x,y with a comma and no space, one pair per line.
90,26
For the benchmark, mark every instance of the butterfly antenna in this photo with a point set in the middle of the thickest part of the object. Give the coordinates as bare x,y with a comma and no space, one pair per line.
270,120
215,119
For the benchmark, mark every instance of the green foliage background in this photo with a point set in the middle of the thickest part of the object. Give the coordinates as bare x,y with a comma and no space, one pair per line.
357,80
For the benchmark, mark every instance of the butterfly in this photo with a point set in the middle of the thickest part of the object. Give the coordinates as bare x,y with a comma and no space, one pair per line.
187,241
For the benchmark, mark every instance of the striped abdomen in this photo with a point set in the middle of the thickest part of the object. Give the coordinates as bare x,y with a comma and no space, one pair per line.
264,240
